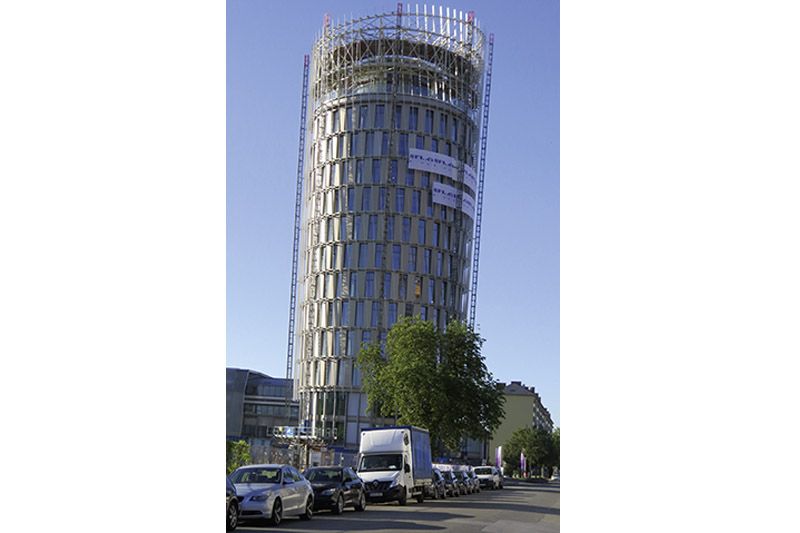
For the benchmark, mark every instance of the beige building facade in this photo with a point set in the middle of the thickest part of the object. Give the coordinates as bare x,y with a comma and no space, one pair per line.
523,408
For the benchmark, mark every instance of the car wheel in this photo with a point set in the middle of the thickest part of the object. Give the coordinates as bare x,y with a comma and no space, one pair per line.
309,509
420,497
232,517
361,505
277,513
338,507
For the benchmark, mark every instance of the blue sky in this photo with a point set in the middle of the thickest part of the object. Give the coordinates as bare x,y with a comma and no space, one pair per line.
518,284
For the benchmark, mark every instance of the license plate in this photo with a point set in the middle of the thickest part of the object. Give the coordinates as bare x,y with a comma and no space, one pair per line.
376,494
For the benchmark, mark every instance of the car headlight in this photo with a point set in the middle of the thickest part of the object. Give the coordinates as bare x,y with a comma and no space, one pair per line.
261,497
394,482
327,492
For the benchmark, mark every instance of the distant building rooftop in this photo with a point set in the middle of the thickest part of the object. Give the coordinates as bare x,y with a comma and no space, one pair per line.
516,387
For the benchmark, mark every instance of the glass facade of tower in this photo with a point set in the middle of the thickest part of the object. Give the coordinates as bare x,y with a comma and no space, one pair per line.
388,199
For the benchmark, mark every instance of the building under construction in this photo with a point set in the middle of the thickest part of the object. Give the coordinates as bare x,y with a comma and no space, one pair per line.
389,196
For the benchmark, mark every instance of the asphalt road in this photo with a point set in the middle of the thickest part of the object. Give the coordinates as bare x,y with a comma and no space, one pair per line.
518,508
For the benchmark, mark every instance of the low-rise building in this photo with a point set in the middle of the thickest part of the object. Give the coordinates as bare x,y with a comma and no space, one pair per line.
256,405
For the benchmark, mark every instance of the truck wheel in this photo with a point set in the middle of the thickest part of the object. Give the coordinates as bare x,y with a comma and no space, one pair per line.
403,497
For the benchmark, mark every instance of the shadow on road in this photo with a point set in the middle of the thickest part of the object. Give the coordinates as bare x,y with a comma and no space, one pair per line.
371,520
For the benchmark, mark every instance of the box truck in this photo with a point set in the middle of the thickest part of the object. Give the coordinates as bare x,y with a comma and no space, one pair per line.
395,463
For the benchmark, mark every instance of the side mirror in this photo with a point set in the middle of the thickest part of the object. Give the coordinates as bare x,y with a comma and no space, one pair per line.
406,468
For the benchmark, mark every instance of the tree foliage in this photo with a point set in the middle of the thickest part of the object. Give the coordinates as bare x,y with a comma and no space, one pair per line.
237,453
433,379
555,458
539,446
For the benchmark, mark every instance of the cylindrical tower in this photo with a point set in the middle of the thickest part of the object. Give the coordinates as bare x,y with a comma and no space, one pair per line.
389,196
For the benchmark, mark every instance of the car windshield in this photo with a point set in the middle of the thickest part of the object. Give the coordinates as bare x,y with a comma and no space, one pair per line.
257,475
323,474
381,462
483,471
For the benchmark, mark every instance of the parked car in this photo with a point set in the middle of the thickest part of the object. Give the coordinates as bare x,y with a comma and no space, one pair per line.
450,483
231,506
271,492
335,488
473,478
464,486
437,490
488,477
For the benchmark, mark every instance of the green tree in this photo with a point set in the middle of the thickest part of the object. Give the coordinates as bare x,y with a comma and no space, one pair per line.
432,379
555,456
237,454
535,443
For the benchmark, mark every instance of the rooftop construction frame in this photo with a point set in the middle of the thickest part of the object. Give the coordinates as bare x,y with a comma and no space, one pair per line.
434,55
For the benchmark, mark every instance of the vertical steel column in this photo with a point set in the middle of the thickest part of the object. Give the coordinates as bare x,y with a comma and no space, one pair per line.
479,208
297,210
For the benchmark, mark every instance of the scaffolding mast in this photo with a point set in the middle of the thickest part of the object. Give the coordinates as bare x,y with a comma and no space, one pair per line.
481,171
297,210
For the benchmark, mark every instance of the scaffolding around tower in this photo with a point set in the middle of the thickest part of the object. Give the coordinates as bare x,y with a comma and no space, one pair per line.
375,167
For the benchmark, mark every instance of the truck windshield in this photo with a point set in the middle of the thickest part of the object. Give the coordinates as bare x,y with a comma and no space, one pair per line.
381,462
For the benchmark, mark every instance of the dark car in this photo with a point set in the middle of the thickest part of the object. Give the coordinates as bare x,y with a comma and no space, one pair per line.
335,488
231,506
437,490
450,487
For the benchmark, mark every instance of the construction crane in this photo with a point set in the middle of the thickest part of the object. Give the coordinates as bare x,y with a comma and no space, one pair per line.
297,211
481,172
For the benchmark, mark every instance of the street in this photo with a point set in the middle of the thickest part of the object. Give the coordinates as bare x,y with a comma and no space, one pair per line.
519,507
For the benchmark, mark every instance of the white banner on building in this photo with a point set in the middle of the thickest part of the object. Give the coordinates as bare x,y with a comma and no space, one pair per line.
450,196
469,178
432,162
468,205
445,194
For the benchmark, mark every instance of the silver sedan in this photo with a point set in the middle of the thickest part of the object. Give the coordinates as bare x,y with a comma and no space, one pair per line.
271,492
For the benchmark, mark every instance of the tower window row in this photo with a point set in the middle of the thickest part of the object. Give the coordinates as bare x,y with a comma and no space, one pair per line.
407,258
406,117
377,143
